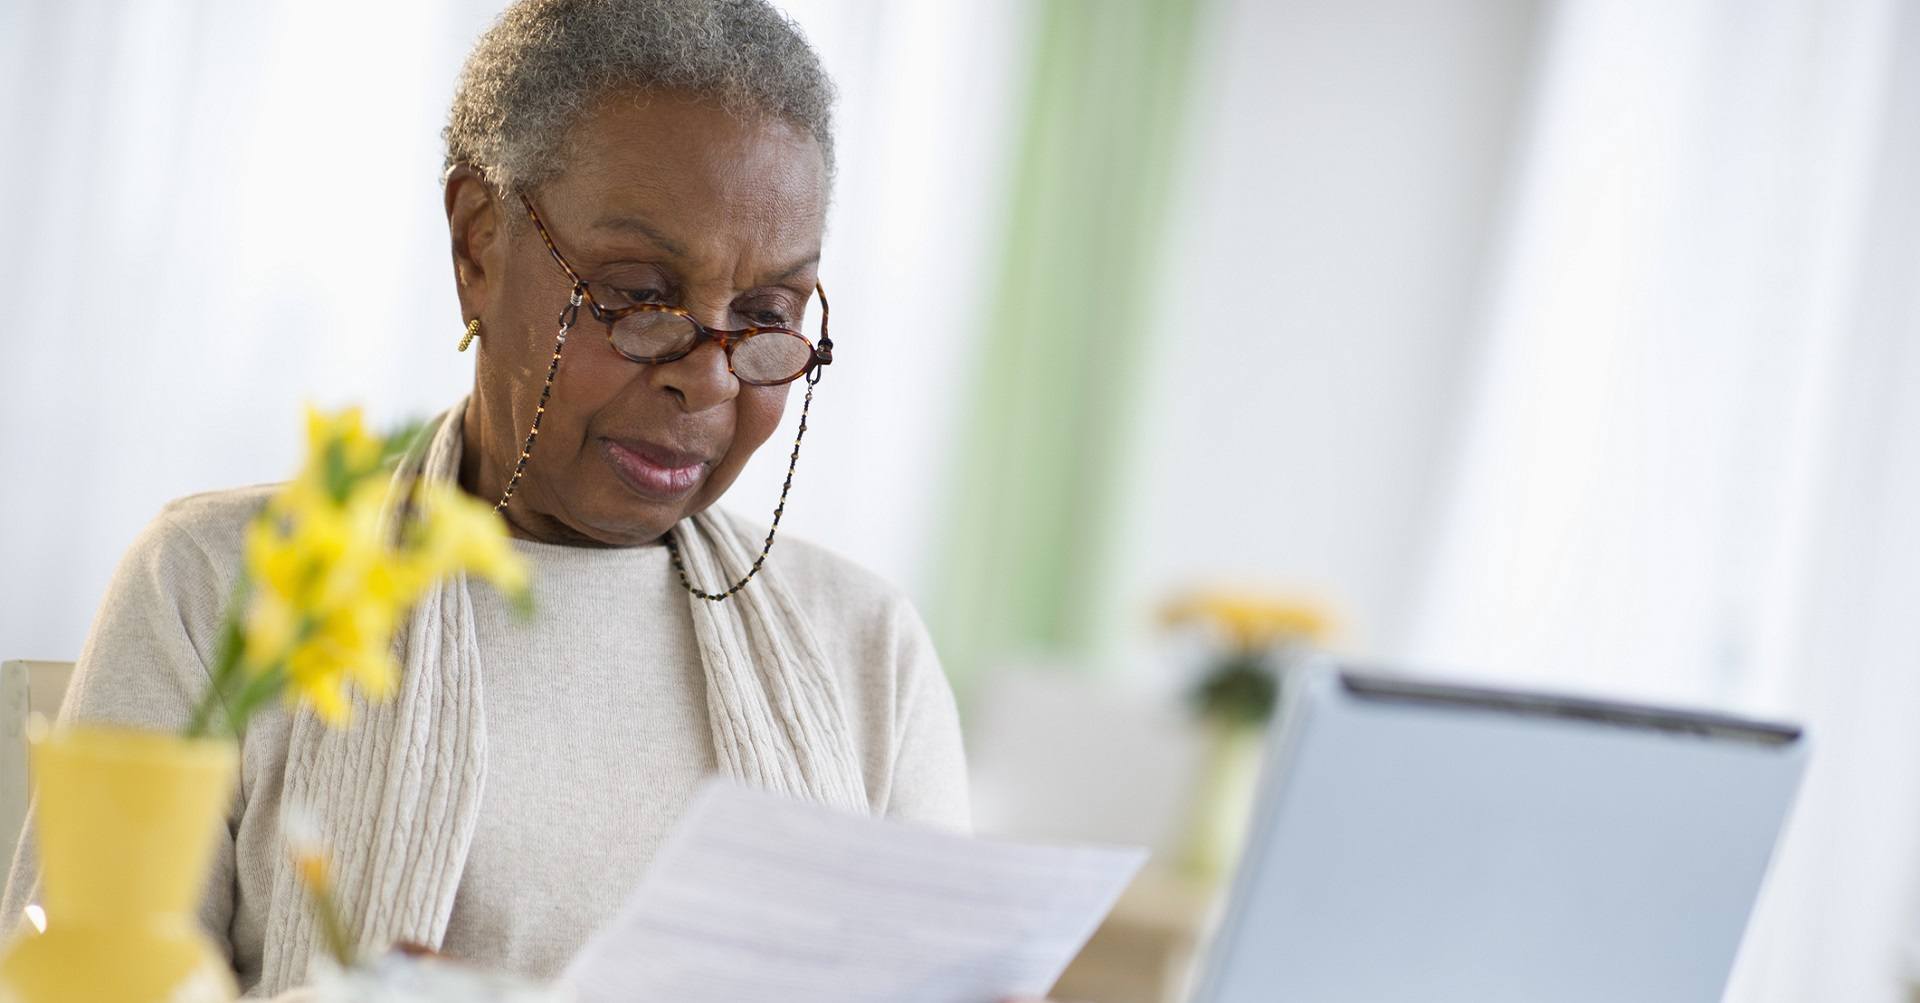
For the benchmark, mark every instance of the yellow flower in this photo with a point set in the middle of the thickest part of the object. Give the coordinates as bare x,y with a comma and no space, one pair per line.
459,532
271,628
349,541
340,450
1252,621
332,578
309,854
313,679
359,638
312,868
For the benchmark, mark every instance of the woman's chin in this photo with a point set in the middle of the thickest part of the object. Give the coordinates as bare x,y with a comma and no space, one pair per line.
623,518
627,527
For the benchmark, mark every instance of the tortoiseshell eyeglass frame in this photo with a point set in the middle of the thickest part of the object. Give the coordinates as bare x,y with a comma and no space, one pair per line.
821,353
822,356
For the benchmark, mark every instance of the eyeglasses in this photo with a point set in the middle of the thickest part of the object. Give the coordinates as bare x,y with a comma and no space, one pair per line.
656,334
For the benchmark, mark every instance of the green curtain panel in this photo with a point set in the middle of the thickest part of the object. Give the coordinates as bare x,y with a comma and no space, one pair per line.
1026,543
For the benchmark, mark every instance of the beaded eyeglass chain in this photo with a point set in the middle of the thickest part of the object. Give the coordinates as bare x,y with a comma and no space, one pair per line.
567,319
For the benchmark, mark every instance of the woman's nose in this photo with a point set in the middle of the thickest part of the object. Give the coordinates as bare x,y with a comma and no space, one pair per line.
700,379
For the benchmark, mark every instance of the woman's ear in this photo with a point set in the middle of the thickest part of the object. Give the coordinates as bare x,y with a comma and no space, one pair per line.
479,245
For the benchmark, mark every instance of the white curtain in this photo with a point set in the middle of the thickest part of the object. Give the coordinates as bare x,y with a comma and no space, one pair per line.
216,210
1691,469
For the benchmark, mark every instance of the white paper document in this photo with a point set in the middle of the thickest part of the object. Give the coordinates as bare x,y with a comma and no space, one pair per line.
756,897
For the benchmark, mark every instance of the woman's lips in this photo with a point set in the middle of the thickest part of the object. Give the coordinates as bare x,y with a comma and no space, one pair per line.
654,471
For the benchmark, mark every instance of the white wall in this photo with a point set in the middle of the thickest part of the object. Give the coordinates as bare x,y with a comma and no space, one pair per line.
1344,174
214,213
1692,458
217,210
228,208
1343,183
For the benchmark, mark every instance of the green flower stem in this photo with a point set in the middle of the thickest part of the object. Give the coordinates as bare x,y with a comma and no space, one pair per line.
258,690
339,943
226,667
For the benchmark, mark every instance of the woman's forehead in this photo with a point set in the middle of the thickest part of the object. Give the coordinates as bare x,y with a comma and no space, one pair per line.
689,178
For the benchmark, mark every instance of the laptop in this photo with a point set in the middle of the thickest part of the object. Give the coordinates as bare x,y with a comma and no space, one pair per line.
1416,840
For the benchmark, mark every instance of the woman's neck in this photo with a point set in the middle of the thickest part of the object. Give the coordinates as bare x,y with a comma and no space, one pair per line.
486,480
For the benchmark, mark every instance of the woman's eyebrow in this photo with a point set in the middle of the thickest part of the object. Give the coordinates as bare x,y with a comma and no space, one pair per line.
634,224
794,269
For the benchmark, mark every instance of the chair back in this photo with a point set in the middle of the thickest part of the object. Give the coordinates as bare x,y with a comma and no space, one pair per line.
26,689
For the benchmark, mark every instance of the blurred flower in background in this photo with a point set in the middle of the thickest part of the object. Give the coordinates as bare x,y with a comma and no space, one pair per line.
1262,634
1257,636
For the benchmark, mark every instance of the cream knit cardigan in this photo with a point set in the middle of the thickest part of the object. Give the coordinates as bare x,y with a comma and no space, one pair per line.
396,795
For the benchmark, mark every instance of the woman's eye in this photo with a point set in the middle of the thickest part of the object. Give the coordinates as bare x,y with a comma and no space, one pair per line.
642,295
765,313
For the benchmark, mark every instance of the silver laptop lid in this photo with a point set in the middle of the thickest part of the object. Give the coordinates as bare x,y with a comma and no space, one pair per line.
1422,841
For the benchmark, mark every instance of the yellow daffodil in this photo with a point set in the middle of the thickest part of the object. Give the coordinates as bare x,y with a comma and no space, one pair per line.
316,877
272,627
1241,688
332,578
312,868
1250,620
340,450
460,533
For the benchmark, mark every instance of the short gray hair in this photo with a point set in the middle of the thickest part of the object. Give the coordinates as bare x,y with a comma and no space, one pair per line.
544,63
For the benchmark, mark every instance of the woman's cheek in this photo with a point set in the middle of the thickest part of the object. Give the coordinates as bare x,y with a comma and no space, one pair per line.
760,412
757,412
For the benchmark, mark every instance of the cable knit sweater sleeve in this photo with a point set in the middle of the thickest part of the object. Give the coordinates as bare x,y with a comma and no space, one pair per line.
144,665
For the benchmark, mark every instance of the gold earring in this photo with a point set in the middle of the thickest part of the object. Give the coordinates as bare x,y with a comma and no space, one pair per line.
473,331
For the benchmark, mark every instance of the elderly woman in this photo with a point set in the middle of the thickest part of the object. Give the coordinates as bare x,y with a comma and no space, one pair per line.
635,194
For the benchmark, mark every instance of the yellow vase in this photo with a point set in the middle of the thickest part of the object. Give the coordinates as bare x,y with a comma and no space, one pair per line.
125,822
